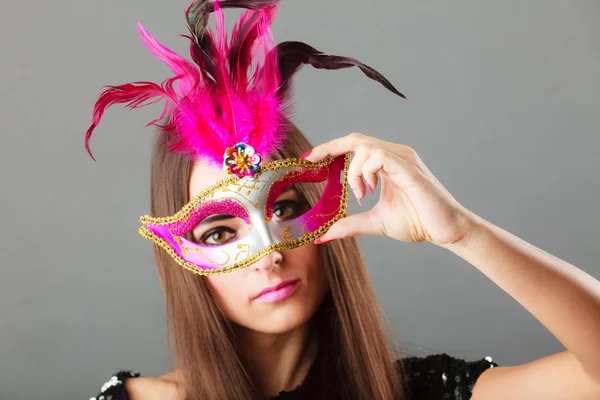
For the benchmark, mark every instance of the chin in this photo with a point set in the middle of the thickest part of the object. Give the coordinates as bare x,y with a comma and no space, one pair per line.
285,318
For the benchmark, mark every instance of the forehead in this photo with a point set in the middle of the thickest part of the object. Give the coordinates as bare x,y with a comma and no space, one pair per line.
203,175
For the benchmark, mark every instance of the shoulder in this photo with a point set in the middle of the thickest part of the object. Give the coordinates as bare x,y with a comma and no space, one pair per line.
127,385
440,374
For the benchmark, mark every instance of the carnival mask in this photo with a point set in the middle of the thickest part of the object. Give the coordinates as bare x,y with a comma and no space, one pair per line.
231,108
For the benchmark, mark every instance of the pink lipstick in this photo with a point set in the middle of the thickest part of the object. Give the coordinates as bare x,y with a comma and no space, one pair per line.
278,292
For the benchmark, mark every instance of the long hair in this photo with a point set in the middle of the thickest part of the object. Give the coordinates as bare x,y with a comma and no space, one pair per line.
355,359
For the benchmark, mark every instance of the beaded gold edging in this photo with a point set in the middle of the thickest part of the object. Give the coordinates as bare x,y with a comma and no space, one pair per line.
272,166
309,237
265,213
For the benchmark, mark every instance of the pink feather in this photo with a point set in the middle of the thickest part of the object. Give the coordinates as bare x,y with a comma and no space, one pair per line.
208,115
244,35
136,94
190,76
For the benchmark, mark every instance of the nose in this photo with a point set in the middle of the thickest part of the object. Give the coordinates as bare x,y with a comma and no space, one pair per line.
269,262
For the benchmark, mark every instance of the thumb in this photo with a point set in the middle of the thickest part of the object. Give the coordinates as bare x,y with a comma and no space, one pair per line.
354,225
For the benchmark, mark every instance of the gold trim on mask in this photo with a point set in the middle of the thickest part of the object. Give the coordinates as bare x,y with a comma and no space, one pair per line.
281,246
321,215
290,175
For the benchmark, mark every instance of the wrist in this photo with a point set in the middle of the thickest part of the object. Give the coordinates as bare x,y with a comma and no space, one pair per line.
473,227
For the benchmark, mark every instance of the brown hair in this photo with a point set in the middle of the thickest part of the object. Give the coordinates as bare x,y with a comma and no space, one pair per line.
354,359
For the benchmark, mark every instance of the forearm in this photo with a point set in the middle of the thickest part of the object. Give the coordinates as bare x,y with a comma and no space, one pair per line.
565,299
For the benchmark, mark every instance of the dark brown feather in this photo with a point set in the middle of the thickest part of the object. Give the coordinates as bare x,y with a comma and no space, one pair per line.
292,55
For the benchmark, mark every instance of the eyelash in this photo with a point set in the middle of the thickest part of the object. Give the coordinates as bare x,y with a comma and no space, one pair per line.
218,229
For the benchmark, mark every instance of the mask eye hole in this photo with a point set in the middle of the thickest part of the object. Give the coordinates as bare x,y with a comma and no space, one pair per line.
289,205
220,229
288,200
297,180
214,223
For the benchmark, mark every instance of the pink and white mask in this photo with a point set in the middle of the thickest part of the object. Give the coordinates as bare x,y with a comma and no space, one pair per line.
231,108
249,202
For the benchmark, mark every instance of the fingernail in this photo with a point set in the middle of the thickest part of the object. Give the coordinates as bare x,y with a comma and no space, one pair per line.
357,198
322,241
370,188
305,154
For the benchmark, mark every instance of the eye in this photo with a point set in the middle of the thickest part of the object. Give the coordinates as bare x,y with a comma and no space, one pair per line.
218,236
286,209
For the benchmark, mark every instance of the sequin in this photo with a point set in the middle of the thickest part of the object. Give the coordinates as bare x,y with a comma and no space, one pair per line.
114,388
241,161
464,376
422,379
457,395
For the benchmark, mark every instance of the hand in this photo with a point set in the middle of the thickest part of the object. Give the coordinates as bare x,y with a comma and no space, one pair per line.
413,205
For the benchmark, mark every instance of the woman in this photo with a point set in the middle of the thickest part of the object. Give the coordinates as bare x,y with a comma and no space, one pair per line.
298,318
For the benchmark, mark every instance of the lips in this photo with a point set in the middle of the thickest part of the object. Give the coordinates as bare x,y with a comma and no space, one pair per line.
278,292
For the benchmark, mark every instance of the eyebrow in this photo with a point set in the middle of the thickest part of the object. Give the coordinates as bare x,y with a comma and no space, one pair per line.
216,217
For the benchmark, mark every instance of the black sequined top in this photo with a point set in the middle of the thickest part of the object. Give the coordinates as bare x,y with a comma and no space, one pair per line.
435,377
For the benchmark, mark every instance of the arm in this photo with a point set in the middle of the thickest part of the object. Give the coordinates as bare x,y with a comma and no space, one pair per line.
415,207
565,299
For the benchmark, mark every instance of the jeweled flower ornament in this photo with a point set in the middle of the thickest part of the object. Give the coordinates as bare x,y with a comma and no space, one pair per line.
231,107
241,161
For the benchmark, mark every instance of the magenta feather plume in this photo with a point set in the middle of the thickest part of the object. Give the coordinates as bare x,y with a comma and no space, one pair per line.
216,106
215,102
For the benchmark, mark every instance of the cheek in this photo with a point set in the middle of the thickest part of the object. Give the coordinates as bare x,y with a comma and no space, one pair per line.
228,291
306,257
307,261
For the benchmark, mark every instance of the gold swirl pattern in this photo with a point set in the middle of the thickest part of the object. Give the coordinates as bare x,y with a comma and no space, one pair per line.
207,193
185,250
286,233
245,249
322,215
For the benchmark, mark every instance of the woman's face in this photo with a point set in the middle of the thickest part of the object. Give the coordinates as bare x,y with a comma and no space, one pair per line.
238,293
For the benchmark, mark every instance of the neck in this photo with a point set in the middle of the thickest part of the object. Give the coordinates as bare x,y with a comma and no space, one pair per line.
277,361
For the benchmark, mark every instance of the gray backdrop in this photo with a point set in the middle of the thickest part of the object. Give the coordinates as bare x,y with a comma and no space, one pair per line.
504,102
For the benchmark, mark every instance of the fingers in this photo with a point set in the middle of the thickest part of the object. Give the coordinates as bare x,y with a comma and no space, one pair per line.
371,168
365,164
355,175
372,157
353,225
335,147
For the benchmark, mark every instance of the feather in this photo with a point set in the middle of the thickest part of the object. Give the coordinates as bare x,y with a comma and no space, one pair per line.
267,76
243,37
202,46
293,54
188,73
197,14
135,95
216,104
